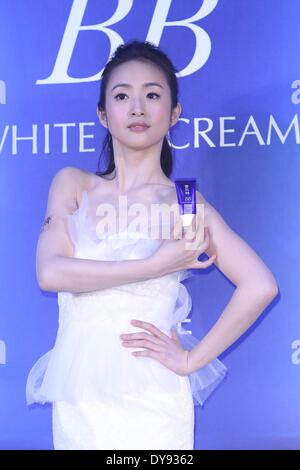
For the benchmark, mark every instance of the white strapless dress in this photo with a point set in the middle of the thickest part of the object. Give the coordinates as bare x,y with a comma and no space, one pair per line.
104,397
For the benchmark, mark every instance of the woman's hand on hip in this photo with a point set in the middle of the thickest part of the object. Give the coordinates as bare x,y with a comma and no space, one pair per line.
161,347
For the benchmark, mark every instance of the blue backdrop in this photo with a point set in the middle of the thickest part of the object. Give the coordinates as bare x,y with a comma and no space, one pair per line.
239,136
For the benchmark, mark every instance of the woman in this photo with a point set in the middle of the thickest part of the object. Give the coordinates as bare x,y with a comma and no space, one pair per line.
115,384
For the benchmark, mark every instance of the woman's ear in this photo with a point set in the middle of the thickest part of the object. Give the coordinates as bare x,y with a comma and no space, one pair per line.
102,117
175,114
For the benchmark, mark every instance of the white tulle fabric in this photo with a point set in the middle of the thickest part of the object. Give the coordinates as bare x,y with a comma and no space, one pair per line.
88,362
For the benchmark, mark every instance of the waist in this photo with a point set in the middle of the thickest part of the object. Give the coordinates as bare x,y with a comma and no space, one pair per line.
116,306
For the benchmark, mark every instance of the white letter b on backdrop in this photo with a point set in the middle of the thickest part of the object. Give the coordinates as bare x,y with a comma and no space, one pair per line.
74,26
203,43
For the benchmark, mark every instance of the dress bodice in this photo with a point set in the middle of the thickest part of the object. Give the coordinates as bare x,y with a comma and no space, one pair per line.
152,299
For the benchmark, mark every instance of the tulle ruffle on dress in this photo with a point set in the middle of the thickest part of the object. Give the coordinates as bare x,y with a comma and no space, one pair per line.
88,361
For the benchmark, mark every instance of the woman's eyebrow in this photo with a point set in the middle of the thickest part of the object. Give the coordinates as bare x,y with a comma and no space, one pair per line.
127,85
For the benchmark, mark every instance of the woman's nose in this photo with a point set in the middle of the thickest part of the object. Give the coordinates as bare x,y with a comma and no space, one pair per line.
137,108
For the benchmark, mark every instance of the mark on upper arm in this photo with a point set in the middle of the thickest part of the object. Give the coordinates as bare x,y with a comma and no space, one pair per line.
46,223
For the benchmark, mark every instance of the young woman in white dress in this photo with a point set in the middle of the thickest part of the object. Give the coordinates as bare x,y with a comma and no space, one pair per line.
115,384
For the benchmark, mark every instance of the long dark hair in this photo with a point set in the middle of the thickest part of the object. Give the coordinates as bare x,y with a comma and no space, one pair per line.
143,51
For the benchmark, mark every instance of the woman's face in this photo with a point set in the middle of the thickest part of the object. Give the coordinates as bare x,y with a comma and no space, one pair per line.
138,92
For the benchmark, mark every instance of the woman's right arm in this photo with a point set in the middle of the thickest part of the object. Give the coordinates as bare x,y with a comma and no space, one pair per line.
62,273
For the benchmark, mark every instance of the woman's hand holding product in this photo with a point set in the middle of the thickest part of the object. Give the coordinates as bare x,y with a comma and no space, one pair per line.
180,254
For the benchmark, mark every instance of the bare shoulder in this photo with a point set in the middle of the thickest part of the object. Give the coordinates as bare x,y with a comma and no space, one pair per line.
70,176
67,186
73,176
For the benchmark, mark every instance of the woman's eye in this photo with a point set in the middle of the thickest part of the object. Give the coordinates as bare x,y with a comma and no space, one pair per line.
120,94
152,93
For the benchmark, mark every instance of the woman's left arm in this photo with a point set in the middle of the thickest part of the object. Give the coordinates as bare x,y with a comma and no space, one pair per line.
255,285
